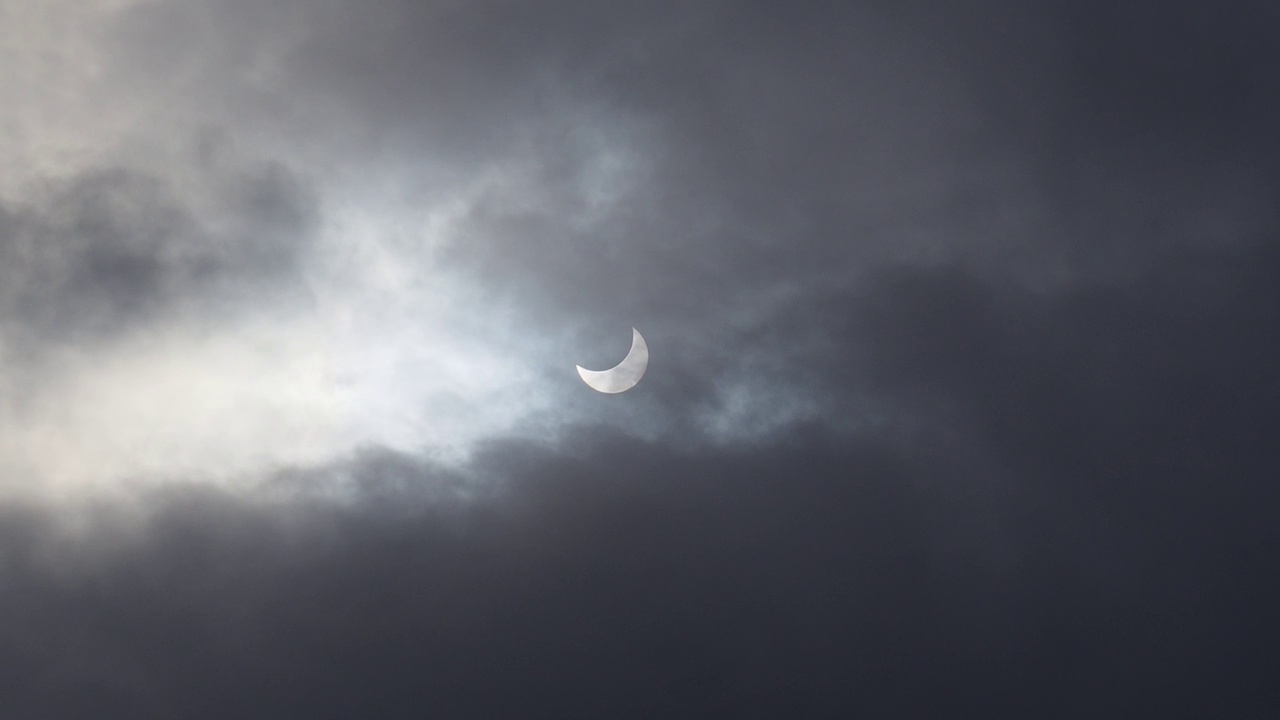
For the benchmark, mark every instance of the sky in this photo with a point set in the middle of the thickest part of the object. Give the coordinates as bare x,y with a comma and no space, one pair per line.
962,396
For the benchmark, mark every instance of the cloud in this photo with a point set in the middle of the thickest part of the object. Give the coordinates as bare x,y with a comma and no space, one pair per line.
170,311
115,249
1036,522
962,381
1050,520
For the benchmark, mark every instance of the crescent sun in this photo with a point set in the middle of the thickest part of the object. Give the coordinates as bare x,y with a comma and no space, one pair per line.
624,375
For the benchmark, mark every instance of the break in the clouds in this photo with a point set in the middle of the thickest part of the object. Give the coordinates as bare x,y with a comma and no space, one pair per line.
962,390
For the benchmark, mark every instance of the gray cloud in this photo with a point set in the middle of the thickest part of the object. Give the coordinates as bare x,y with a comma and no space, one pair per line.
114,249
1046,534
963,380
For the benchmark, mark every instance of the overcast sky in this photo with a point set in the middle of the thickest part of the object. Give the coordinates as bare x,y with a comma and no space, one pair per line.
963,394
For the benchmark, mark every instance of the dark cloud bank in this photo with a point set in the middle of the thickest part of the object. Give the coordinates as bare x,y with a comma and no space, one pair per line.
1053,493
1083,523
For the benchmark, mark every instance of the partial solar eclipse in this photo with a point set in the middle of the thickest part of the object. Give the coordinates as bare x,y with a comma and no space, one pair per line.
624,375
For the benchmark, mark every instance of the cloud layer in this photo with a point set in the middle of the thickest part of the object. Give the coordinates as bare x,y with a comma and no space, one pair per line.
962,392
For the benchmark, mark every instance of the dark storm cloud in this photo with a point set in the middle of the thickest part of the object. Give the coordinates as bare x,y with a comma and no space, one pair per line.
1137,131
1025,257
1080,524
751,133
750,126
1193,81
773,158
117,249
